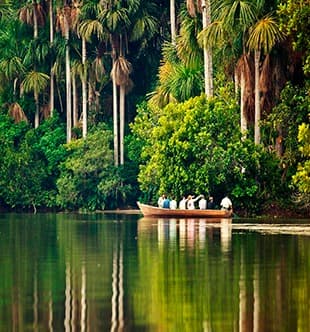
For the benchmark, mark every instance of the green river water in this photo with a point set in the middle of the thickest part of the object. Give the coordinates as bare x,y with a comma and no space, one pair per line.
115,272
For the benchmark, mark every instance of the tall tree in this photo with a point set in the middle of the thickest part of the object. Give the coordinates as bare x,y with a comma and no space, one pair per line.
65,20
33,14
204,6
263,36
248,22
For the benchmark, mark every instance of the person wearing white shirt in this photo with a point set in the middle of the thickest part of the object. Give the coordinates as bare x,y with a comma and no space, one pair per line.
173,204
161,201
182,203
202,203
191,202
226,203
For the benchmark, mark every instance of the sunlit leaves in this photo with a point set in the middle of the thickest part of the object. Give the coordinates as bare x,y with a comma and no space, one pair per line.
264,35
302,177
35,81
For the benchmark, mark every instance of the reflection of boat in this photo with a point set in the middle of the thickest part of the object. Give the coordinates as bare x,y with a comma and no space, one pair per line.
149,210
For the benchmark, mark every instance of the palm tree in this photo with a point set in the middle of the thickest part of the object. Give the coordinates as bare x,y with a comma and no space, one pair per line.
33,14
88,26
120,75
125,21
263,36
12,67
180,75
35,82
239,20
65,20
204,6
52,74
232,20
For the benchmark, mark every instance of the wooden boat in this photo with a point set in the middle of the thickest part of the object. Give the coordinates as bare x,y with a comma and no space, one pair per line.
153,211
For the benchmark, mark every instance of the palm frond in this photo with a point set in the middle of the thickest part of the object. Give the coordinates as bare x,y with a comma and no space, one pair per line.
88,28
146,25
191,7
264,35
16,112
35,82
235,13
213,35
121,70
12,67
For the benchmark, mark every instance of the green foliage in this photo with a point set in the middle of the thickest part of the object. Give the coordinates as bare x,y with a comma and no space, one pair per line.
29,160
88,179
283,122
302,177
195,147
294,16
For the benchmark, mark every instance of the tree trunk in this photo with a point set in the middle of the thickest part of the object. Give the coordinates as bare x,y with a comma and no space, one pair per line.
37,113
84,88
115,123
35,36
35,20
172,21
75,102
243,119
207,52
52,88
122,122
68,84
257,99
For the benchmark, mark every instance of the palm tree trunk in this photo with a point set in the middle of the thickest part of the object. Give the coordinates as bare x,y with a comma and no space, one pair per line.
35,20
52,87
35,36
84,88
172,21
257,98
68,83
37,113
243,119
115,123
207,53
122,122
75,102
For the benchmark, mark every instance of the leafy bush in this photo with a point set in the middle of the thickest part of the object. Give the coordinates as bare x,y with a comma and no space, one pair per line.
88,179
195,147
29,162
302,177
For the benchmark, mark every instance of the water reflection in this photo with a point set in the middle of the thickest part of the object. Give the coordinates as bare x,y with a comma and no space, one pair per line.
88,273
189,232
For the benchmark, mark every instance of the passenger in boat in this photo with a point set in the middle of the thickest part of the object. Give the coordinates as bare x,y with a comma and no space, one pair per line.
226,203
202,203
166,202
191,202
173,204
182,203
161,201
211,204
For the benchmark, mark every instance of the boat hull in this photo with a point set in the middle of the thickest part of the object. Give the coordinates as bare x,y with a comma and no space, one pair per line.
152,211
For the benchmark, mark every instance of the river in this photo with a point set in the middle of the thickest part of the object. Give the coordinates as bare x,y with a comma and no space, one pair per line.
119,272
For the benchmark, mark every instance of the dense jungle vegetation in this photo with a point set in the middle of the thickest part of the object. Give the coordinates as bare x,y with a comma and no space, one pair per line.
104,102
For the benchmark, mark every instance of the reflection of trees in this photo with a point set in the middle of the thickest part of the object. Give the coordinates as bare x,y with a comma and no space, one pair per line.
75,274
58,275
212,281
117,320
